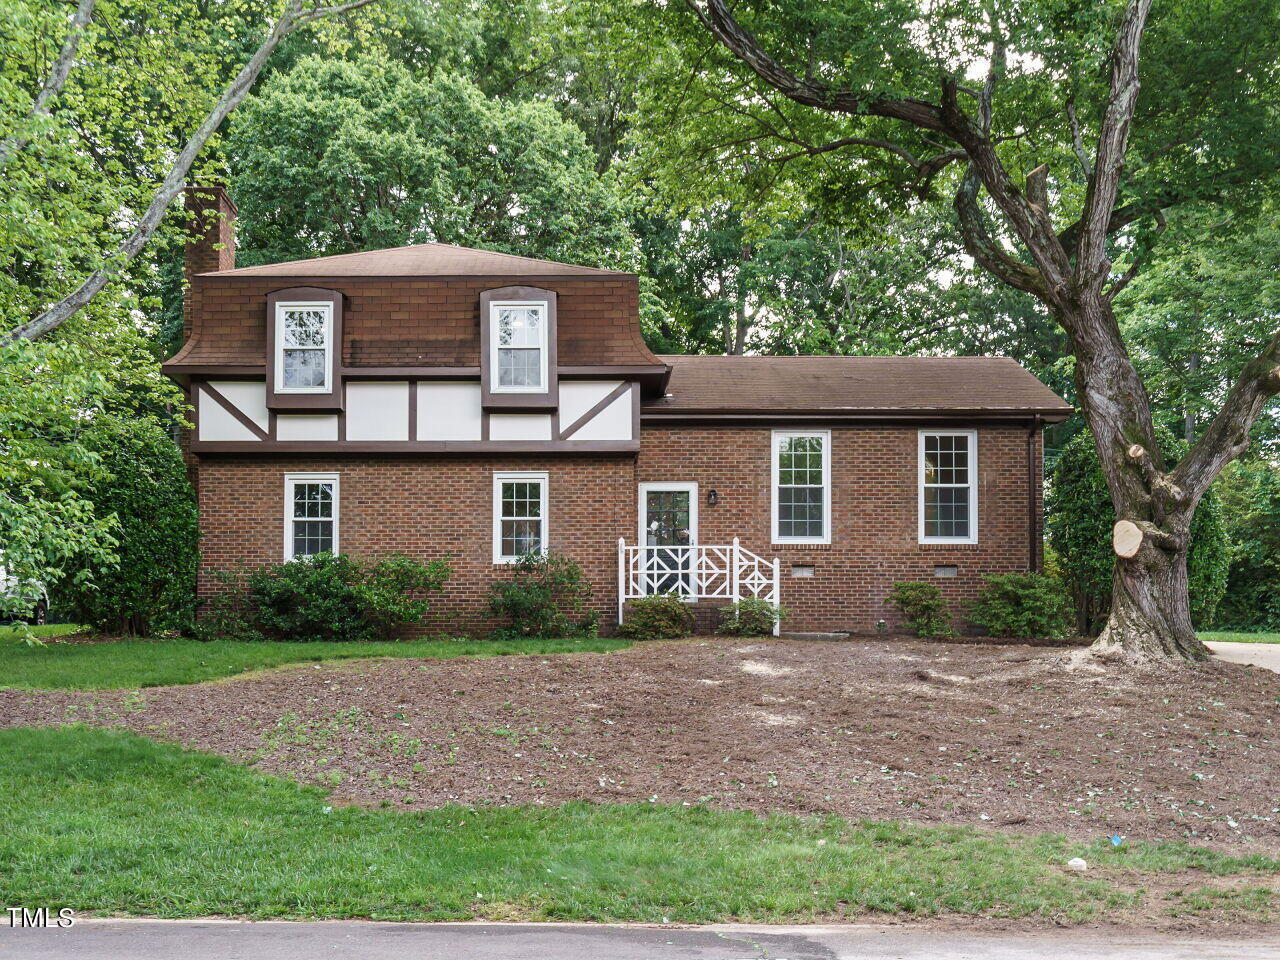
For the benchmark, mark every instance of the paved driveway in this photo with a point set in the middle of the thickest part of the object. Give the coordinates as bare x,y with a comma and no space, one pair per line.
1257,654
231,940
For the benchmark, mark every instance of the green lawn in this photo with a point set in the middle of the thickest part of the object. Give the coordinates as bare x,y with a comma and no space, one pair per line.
8,633
1228,636
109,821
130,664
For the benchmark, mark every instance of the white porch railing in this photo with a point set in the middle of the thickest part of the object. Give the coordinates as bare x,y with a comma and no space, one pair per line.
696,572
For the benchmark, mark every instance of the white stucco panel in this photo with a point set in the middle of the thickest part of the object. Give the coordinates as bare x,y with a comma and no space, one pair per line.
579,396
378,411
217,424
614,422
248,396
291,426
449,410
520,426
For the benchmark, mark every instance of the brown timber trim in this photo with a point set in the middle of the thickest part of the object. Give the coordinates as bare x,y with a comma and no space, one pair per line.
207,390
548,399
653,418
331,400
603,276
413,410
635,411
599,407
469,447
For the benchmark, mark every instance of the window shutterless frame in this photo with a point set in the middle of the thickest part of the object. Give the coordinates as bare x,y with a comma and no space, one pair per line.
282,310
522,508
970,485
777,439
291,513
527,351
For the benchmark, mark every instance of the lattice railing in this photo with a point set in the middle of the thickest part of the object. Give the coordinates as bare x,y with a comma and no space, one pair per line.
696,572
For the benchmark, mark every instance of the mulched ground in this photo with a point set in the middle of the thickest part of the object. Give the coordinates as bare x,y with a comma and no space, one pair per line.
886,729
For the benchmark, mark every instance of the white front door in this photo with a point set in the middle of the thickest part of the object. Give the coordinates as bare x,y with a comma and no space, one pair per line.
669,522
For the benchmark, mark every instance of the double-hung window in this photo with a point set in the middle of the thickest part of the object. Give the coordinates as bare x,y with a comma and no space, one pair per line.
948,486
518,345
310,514
519,515
801,486
304,347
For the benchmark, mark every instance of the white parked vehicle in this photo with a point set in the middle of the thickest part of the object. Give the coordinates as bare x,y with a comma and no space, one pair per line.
9,588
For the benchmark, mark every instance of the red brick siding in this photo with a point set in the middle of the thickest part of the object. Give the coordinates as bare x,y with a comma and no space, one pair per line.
443,506
425,508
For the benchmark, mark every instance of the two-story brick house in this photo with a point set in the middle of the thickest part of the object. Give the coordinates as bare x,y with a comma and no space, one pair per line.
435,400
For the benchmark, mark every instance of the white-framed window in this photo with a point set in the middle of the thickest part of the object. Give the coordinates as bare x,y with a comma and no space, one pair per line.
518,346
304,347
948,486
310,514
519,515
801,486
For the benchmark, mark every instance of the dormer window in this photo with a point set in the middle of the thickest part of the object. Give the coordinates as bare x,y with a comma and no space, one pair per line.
518,349
519,342
304,347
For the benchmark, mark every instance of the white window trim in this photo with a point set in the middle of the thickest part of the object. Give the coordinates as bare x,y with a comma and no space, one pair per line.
519,476
973,485
290,480
495,346
687,487
327,308
774,438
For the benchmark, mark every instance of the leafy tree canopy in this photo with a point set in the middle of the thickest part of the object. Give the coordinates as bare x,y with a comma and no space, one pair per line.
338,156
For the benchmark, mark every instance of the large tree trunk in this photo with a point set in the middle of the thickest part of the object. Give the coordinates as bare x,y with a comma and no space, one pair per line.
1151,609
1150,605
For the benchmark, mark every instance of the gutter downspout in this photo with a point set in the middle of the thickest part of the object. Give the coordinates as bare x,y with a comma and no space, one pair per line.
1033,520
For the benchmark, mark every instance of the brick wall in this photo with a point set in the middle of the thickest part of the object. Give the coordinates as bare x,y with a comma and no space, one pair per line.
443,506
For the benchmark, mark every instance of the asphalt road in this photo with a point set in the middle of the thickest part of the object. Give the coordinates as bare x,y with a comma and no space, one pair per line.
1265,655
231,940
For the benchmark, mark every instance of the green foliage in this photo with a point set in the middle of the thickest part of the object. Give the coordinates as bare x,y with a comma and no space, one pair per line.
1080,518
750,617
663,616
337,156
544,596
143,485
1030,605
1250,498
922,607
329,598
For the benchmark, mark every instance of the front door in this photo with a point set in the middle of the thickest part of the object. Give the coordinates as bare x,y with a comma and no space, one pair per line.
669,522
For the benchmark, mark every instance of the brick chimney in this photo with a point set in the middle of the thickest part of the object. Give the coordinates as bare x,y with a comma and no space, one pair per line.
211,239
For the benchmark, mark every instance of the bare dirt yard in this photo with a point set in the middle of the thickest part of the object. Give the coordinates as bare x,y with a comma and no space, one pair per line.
999,736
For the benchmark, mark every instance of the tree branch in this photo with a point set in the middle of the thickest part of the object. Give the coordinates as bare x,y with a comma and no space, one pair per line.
53,83
983,248
1228,435
809,92
1113,139
293,16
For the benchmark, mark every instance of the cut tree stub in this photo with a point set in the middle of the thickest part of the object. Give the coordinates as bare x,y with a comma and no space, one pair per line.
1126,539
1136,451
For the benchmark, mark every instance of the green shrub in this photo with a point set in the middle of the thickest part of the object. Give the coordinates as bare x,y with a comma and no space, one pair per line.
327,597
922,607
1023,605
546,596
1080,517
144,485
750,617
663,616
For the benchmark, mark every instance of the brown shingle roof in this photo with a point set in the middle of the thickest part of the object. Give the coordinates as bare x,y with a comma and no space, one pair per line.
852,385
419,260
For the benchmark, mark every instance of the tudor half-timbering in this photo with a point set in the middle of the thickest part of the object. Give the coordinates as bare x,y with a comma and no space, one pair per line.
436,400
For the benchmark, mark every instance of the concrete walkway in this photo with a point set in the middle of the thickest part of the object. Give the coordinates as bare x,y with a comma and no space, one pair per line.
1265,655
353,940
